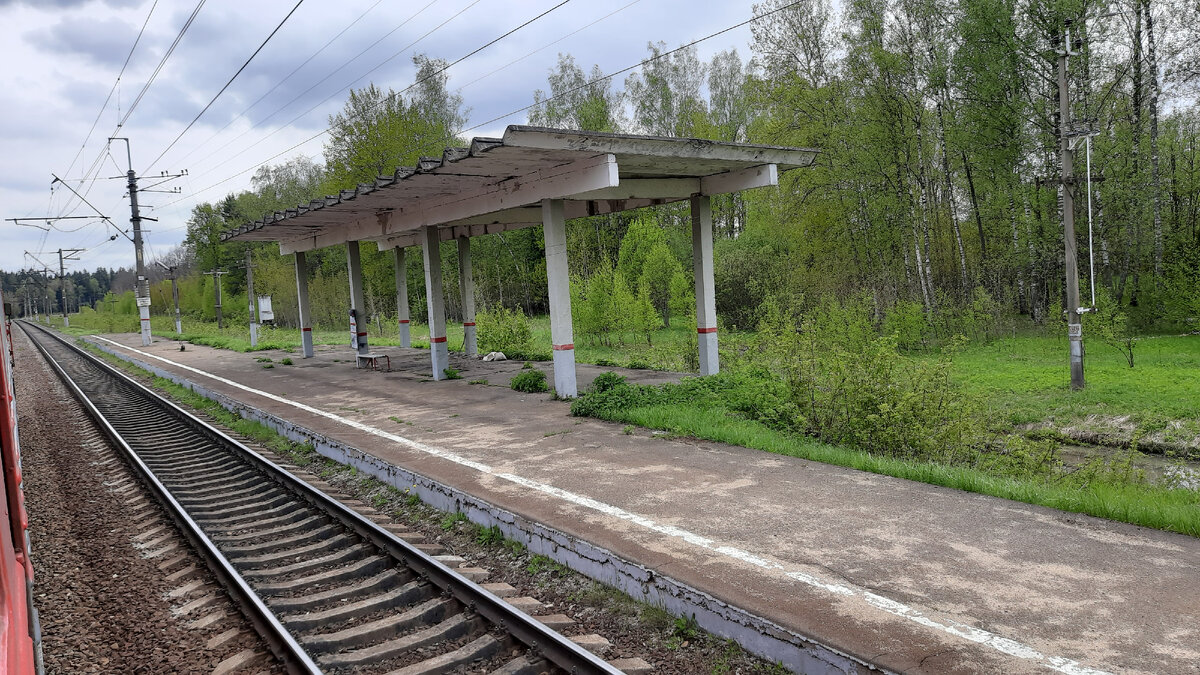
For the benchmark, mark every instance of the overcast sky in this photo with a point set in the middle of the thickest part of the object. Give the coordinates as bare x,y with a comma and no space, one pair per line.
61,58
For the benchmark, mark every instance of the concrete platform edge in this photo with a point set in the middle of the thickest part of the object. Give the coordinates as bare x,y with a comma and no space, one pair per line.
755,634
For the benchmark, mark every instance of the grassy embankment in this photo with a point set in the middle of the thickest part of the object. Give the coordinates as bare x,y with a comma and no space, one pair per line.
1016,382
1023,380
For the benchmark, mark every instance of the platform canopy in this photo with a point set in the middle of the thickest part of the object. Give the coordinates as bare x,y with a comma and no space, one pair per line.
498,184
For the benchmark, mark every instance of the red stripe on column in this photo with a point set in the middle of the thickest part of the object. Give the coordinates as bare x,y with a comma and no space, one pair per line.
306,330
468,323
361,334
145,319
563,348
403,320
707,330
437,340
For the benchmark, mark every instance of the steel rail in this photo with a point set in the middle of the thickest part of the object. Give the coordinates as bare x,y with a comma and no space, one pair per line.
541,640
282,644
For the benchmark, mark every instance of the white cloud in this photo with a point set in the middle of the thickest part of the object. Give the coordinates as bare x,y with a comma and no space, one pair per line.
64,55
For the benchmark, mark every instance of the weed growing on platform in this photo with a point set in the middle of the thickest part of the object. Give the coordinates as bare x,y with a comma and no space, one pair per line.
530,382
606,381
451,373
263,359
479,381
287,361
268,365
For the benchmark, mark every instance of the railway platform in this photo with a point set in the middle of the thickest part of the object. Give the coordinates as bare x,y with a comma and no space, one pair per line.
824,568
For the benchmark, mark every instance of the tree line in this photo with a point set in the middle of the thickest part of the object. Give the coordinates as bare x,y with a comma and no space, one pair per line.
934,193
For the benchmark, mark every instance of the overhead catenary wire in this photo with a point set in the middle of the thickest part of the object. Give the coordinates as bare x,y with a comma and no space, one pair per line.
525,108
335,93
146,87
295,70
222,91
162,62
385,99
108,98
550,44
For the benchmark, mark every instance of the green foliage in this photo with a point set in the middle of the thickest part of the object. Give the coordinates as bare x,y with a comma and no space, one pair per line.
540,564
908,324
1112,325
287,361
684,630
606,381
489,536
501,329
451,373
451,519
482,380
530,382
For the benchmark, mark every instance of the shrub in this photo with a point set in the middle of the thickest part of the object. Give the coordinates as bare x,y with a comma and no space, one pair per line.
286,361
606,381
503,330
451,373
530,382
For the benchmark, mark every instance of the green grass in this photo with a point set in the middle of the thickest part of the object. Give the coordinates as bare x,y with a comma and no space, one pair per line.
1176,510
664,352
1027,380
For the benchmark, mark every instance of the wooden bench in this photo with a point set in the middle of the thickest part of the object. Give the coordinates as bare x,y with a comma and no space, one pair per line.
373,361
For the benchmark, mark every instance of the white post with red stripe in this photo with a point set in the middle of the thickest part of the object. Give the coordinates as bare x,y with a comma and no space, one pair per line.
466,287
432,252
402,296
558,282
358,316
706,295
306,340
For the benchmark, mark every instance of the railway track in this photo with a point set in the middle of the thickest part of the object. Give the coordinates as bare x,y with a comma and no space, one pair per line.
327,588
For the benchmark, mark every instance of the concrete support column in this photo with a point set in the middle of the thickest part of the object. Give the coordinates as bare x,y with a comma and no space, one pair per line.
143,317
558,282
358,312
466,287
431,249
306,340
402,296
706,295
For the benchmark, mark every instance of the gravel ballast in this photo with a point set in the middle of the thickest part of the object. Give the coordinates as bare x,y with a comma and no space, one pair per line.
105,606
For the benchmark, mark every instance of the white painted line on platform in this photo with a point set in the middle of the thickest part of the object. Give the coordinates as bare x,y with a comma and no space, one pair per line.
977,635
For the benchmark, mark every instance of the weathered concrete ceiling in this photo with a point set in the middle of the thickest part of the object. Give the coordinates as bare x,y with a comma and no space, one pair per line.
492,185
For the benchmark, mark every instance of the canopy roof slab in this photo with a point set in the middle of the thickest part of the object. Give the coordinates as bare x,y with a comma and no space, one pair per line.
498,184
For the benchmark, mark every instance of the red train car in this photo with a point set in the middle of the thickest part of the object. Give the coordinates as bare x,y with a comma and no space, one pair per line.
20,635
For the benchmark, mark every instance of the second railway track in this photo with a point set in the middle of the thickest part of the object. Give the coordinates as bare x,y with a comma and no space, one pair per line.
330,590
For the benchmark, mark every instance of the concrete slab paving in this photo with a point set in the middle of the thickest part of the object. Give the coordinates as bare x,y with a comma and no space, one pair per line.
900,575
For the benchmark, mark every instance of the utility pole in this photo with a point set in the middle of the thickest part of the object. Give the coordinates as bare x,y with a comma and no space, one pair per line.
1066,160
62,280
174,294
216,275
142,289
251,300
